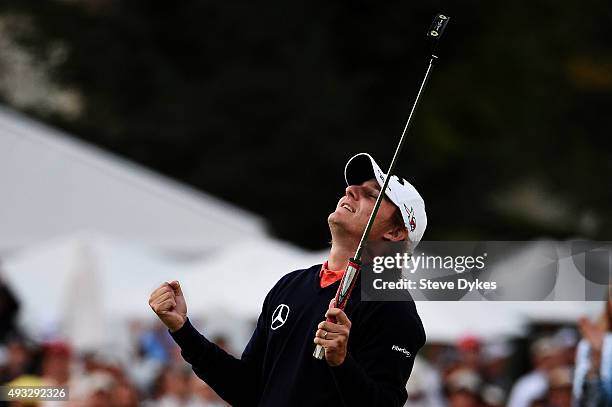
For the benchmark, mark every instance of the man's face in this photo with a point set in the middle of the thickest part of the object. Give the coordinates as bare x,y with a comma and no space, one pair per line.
354,209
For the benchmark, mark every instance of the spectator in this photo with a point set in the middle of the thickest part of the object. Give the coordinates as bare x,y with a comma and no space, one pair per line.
156,344
567,338
493,396
424,386
142,370
559,387
494,365
546,355
93,390
56,363
469,352
463,387
18,357
125,394
174,389
204,395
593,374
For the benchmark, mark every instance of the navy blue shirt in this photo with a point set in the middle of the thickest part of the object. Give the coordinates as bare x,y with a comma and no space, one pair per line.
277,367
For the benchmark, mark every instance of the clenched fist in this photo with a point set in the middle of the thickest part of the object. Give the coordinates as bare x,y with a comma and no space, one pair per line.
168,303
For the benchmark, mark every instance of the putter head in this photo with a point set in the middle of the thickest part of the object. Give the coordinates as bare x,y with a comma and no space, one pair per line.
437,26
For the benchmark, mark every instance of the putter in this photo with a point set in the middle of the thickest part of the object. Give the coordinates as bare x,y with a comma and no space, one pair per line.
349,278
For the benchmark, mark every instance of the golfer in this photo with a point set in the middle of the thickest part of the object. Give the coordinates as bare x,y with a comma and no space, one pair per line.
369,351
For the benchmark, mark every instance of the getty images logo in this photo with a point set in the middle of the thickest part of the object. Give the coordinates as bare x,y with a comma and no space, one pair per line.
402,350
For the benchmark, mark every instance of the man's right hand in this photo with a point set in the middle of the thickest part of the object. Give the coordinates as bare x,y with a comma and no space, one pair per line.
168,302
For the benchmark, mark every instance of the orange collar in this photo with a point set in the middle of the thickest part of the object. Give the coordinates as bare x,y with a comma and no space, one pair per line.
328,277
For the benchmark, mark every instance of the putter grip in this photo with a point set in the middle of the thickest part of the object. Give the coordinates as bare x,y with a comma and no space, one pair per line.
349,279
438,26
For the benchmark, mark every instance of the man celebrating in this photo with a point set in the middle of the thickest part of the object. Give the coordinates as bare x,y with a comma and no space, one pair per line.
369,350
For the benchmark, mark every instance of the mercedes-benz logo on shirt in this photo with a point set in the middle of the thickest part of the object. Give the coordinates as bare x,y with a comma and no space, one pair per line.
279,317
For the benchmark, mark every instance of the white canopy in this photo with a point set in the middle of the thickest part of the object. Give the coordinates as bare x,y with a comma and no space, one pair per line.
84,282
239,277
53,185
446,321
85,276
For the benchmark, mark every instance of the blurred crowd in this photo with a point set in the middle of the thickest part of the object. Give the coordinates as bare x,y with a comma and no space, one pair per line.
155,375
555,366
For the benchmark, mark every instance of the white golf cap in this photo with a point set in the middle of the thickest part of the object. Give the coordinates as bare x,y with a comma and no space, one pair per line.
362,167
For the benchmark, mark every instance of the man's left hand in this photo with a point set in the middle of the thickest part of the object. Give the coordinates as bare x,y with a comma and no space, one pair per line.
334,336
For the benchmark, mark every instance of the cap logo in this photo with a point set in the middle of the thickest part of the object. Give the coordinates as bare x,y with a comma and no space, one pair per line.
411,218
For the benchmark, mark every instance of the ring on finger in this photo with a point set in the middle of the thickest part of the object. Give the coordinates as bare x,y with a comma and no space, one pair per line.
325,335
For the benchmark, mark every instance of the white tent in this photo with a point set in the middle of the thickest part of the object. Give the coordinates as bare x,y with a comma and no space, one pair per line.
86,282
53,185
85,276
446,321
238,278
